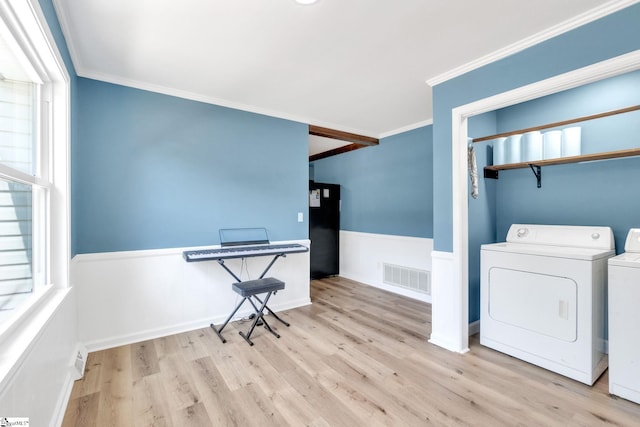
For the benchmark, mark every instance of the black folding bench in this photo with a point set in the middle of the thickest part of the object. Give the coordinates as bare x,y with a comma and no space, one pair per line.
249,291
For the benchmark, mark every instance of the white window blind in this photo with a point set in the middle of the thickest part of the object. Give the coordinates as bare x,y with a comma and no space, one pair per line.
16,279
17,125
19,149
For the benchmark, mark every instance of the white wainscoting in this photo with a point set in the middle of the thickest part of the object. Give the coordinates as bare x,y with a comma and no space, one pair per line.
39,382
362,256
446,312
126,297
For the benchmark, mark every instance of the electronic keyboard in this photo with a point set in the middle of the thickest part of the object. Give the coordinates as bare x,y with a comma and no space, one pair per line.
243,252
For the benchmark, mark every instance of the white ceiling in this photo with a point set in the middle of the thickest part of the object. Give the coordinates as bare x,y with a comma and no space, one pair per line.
320,144
358,66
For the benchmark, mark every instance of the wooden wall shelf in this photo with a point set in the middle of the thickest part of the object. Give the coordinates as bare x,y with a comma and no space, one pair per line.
559,124
492,171
573,159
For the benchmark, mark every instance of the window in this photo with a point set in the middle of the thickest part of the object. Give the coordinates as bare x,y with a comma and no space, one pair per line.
16,260
33,200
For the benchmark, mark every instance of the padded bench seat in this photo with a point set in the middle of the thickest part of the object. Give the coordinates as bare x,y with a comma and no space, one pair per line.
249,291
258,286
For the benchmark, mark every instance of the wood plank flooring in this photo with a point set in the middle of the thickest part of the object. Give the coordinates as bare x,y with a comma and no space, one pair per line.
357,356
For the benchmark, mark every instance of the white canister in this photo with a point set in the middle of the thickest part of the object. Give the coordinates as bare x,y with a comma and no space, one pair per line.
571,142
552,144
513,149
499,151
531,146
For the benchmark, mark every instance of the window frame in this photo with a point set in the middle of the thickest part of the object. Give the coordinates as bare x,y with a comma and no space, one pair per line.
28,26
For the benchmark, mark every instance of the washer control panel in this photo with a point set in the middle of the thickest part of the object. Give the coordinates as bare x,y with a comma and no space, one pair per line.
564,235
633,241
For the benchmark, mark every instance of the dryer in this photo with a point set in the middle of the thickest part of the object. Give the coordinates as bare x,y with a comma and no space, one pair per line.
543,297
624,318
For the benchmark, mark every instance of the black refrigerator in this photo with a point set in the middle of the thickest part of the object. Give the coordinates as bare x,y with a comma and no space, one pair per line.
324,229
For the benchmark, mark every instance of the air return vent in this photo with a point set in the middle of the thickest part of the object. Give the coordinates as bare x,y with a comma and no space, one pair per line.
408,278
80,362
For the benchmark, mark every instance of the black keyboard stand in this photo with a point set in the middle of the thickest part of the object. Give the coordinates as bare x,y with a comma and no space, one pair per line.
221,262
249,290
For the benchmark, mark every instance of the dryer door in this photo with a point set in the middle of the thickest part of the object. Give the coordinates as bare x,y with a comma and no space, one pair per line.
536,302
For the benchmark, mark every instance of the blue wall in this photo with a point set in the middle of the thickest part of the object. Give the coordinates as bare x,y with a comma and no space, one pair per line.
605,134
613,35
594,193
155,171
482,210
52,21
385,189
575,194
600,193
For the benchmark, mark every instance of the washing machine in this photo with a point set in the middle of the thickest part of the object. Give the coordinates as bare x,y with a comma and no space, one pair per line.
543,297
624,318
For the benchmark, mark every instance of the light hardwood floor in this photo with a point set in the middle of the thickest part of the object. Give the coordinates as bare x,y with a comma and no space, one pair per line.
357,356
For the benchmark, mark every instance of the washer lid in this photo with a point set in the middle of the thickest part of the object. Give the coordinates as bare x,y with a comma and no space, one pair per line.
627,259
588,254
562,235
633,241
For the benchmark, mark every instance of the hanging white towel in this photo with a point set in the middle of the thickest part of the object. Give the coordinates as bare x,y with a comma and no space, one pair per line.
473,171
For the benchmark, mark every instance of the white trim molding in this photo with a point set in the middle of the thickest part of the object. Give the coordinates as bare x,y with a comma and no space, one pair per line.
474,328
362,256
446,312
126,297
35,374
456,299
568,25
407,128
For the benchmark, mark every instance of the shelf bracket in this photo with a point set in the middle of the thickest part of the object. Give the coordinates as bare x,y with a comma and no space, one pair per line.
538,173
489,173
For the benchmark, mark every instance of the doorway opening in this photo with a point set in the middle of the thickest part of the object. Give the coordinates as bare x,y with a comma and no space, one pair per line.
460,116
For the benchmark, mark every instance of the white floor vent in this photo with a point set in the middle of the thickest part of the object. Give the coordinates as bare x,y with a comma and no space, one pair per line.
409,278
79,362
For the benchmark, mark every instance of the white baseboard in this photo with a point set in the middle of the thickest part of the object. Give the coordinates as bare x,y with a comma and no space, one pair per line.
39,381
446,316
362,256
63,401
128,297
150,334
474,328
446,343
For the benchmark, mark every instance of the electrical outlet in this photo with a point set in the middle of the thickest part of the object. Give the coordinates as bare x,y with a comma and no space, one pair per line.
300,217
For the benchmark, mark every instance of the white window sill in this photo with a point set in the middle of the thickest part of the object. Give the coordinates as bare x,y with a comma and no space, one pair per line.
17,337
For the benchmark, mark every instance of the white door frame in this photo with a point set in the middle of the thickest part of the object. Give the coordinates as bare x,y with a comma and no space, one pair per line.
458,293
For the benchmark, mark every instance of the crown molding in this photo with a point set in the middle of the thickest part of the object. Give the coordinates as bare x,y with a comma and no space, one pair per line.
406,128
165,90
568,25
82,71
66,33
135,84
